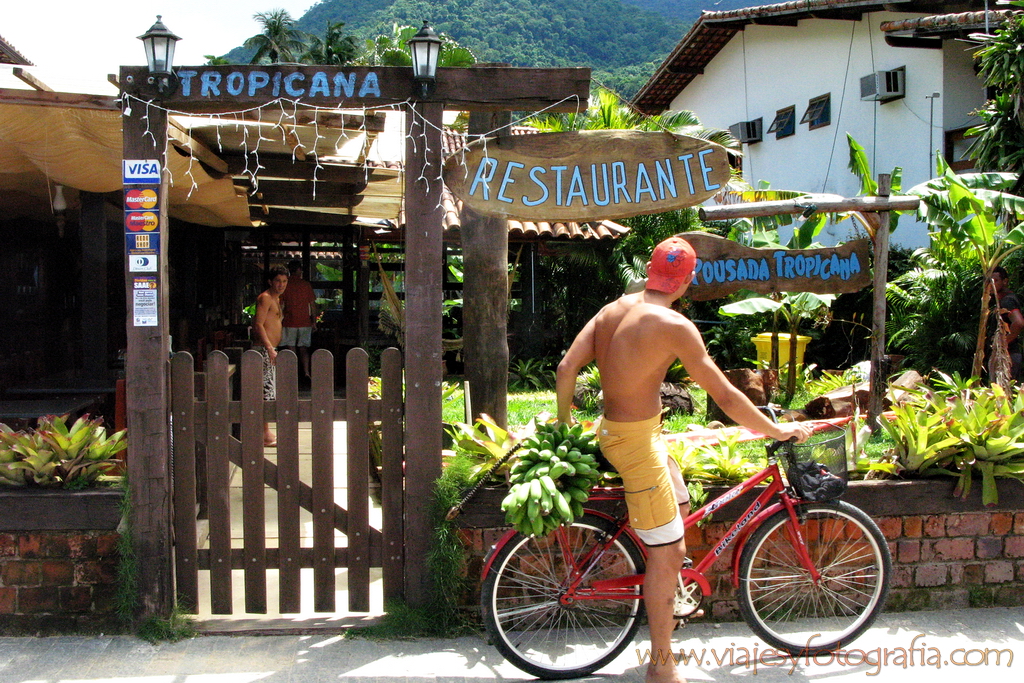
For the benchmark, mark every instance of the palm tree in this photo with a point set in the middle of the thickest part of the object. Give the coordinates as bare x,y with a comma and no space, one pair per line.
392,49
334,48
279,41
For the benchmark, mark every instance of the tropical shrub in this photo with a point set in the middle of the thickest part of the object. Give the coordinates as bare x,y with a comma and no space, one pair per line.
57,456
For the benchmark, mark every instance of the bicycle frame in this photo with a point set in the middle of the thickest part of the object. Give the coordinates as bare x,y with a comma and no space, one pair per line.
624,587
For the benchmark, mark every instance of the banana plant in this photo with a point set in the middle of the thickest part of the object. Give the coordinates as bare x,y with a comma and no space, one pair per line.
974,213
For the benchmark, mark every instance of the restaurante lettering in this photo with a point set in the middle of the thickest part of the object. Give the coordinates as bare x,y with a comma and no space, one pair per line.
596,184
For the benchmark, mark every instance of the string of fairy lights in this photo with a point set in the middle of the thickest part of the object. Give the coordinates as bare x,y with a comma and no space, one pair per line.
287,113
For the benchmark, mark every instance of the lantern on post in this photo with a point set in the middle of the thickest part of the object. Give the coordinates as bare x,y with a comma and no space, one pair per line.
425,47
159,43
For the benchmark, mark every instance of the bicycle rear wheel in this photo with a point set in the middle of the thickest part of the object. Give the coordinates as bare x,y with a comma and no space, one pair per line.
786,607
528,623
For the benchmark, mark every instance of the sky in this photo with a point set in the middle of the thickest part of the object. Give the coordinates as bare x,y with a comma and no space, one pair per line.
98,36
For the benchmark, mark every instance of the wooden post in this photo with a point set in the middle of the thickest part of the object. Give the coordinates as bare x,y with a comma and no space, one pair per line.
424,256
485,294
145,138
879,366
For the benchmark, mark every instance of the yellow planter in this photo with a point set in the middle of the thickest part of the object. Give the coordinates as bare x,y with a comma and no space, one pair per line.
763,342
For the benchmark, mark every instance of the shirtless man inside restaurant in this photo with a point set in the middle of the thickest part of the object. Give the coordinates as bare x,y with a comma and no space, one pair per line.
267,336
634,340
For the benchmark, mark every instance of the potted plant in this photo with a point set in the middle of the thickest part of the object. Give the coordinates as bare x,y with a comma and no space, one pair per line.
57,476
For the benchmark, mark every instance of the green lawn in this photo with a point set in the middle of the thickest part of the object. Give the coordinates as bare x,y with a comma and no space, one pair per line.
523,407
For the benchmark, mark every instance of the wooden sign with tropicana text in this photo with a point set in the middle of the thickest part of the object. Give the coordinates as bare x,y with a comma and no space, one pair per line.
724,266
586,175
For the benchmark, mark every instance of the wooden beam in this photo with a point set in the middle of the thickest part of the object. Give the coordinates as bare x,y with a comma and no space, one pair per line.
423,269
299,194
292,138
276,215
58,99
879,365
370,123
30,79
182,140
823,204
286,168
204,89
146,382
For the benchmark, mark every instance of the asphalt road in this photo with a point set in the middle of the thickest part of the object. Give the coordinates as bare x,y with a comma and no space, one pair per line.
926,646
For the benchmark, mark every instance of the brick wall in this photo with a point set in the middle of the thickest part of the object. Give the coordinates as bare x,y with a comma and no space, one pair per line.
57,581
946,553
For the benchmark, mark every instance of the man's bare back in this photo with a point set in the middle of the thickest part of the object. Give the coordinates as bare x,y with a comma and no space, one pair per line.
631,356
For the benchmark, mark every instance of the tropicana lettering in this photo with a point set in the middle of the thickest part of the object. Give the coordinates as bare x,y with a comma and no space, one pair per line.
821,266
597,184
328,84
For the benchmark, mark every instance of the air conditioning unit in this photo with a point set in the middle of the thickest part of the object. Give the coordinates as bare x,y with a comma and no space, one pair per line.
883,86
747,131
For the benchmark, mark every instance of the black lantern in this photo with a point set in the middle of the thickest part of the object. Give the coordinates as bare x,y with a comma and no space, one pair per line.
425,47
159,43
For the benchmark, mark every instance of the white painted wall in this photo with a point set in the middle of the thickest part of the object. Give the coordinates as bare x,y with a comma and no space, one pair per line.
767,68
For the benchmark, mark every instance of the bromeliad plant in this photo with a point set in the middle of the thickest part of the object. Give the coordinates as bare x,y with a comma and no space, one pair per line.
962,429
57,456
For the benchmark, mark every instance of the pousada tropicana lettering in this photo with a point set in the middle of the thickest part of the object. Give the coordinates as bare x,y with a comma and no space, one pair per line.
596,184
780,265
326,84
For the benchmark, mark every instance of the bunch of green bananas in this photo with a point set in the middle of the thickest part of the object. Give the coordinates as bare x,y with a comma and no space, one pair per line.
551,478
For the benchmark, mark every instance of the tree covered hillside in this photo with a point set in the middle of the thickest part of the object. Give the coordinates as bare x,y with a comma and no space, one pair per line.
622,41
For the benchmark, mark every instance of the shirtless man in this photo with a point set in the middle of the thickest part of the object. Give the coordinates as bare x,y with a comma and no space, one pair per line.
267,326
634,341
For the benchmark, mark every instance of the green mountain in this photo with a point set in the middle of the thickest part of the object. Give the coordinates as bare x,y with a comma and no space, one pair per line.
622,41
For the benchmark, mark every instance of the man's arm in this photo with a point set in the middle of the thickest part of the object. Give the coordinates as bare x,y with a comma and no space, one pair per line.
1016,325
579,354
259,324
731,400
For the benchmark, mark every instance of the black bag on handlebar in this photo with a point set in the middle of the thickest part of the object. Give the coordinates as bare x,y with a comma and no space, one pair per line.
815,482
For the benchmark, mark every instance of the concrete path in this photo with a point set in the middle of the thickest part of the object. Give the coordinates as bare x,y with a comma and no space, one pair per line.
978,645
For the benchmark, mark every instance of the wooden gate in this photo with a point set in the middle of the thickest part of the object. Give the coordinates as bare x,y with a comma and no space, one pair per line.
216,437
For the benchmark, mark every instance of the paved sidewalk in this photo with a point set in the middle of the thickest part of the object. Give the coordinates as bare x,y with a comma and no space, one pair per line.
932,646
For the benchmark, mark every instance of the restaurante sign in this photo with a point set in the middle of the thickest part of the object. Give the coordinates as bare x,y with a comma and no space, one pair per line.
724,266
586,175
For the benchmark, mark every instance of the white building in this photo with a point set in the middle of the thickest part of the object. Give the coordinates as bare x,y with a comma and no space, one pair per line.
792,79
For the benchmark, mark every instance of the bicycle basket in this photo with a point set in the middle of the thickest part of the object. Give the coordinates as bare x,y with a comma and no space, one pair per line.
817,467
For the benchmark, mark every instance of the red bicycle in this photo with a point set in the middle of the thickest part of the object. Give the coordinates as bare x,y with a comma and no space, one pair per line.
811,576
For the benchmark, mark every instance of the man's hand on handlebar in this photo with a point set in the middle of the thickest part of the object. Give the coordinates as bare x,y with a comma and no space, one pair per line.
801,430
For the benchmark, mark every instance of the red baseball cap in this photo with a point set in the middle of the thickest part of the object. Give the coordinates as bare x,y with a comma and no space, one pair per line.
671,265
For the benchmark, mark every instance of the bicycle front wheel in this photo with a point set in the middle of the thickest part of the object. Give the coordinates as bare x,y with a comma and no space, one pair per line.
539,632
791,611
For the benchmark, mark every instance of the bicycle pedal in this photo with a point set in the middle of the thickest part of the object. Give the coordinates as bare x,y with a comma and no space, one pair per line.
687,600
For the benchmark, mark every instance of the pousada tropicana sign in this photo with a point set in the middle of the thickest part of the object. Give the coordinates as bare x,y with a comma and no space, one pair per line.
586,175
724,267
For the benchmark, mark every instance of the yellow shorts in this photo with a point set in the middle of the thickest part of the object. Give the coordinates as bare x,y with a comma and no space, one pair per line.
654,485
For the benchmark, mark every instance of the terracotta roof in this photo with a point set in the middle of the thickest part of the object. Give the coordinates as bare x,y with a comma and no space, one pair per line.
594,230
947,24
9,55
713,30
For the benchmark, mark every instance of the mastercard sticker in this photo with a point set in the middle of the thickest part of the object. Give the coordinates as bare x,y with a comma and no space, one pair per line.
140,199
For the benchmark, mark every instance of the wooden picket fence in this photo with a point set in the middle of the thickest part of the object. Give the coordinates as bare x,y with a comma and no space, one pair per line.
214,433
